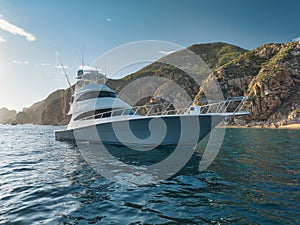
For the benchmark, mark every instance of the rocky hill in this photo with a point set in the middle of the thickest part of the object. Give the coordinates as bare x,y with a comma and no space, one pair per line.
269,75
7,116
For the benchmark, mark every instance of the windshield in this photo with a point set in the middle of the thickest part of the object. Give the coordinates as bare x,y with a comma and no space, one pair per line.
97,94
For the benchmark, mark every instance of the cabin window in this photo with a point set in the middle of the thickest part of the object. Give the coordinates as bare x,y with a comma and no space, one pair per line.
79,72
97,94
91,114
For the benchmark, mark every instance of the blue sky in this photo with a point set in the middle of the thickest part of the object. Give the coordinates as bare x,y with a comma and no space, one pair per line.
31,30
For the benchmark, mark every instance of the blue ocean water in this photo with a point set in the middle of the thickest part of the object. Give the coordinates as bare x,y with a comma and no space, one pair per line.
255,179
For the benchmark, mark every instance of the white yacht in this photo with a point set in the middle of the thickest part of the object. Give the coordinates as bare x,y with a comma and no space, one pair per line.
99,115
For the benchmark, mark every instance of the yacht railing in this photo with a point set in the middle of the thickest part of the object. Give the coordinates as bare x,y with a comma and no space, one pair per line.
232,105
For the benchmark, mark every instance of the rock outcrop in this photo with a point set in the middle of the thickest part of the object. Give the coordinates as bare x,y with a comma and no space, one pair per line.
57,108
51,111
7,116
275,90
269,76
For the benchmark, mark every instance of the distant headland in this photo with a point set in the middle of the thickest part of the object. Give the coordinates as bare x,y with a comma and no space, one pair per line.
269,75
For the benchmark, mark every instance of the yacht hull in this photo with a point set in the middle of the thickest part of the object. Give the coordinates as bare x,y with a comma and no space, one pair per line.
168,130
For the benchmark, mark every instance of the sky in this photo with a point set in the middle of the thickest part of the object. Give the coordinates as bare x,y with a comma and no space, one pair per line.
32,31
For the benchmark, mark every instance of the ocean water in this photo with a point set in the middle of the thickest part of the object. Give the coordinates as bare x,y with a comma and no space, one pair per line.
255,179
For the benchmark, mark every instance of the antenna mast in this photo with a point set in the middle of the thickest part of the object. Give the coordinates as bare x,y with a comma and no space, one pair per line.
105,77
82,57
65,73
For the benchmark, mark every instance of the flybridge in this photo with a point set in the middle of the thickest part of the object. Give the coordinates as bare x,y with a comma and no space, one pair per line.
89,76
82,72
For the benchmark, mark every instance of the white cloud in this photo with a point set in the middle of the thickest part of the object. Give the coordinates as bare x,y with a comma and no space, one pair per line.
108,19
2,39
296,39
166,53
20,62
86,67
15,30
45,64
60,67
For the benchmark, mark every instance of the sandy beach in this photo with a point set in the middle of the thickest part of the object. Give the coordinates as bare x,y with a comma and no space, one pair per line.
288,126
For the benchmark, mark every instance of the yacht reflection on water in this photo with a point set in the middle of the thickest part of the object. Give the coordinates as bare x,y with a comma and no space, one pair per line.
139,167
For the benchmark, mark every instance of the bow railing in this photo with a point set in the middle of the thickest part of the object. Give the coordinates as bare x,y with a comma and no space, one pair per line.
230,106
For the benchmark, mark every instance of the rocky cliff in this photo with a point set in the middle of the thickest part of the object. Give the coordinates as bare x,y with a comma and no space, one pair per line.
51,111
269,75
7,116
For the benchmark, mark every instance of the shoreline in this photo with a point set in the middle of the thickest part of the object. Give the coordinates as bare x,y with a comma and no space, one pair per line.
295,126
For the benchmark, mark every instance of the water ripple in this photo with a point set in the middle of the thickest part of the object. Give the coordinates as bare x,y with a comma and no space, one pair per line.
254,180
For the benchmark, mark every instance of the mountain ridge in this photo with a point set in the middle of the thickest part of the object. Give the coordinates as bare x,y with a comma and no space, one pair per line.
269,75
